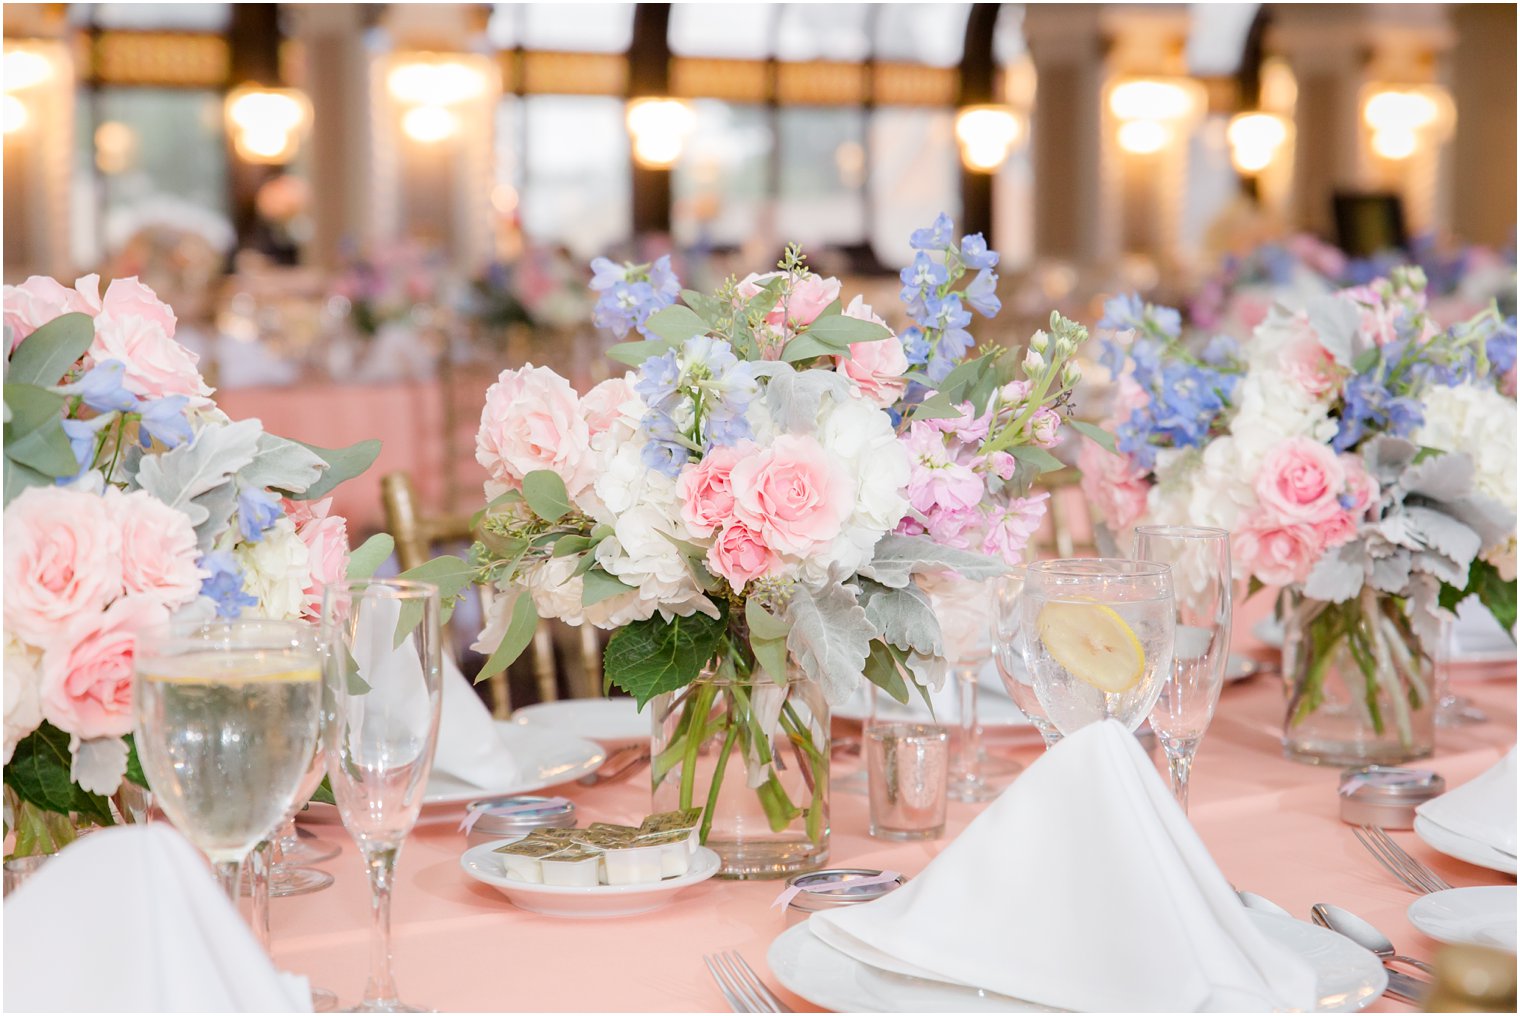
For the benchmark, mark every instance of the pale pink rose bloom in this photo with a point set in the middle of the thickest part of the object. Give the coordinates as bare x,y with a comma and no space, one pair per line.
1301,481
740,555
40,299
1310,365
1246,311
792,494
1335,529
602,405
706,490
532,420
1112,484
87,670
62,560
156,365
1361,488
158,549
1276,552
326,538
1045,427
130,298
1012,527
808,298
875,369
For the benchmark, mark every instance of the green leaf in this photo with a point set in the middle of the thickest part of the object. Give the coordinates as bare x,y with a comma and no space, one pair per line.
762,623
709,308
597,586
1037,457
571,543
369,555
19,478
546,495
763,302
806,346
881,670
46,355
342,464
520,629
450,574
1366,360
1092,431
45,450
1496,595
324,793
771,654
635,353
843,331
936,407
39,774
676,324
30,407
652,656
135,772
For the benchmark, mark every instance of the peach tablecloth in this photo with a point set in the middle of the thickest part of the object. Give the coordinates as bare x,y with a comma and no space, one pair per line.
1271,824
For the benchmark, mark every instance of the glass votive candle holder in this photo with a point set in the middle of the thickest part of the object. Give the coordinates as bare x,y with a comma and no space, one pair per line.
19,869
908,772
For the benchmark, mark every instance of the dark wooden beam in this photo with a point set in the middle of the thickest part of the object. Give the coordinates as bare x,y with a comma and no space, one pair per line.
253,41
978,78
649,75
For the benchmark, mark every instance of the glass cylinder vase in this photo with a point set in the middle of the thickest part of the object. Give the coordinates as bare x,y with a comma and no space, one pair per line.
1360,684
753,754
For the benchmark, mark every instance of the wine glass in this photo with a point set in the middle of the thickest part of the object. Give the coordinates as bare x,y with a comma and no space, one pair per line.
1199,558
227,720
383,689
1009,655
964,609
1097,638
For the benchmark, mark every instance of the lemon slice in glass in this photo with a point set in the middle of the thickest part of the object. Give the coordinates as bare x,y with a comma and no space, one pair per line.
1094,644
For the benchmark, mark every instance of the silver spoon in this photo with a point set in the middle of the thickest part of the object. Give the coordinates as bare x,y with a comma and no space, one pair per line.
1346,923
1254,902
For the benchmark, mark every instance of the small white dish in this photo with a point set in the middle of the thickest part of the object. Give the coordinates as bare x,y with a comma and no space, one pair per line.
542,756
1348,977
1479,915
610,722
483,865
1463,848
1240,668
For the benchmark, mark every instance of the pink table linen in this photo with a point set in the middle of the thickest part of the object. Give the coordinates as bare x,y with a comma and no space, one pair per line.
1271,824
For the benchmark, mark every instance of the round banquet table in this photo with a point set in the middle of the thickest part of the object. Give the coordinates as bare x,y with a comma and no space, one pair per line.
1272,826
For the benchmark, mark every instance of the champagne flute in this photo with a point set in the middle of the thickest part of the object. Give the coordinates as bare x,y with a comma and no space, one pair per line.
962,606
383,688
1010,660
227,720
1199,558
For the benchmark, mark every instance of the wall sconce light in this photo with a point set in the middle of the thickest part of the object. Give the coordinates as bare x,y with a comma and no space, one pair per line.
1255,139
1150,110
987,135
429,85
266,123
659,128
1402,117
22,69
16,116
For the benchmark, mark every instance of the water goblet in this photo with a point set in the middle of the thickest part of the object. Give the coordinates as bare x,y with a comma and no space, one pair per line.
1008,654
1199,558
382,692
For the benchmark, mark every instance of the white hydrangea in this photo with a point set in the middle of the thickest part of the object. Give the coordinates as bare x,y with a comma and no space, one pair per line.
1482,423
23,691
276,569
641,553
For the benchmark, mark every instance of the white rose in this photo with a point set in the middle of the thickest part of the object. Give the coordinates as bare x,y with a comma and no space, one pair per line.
276,569
23,691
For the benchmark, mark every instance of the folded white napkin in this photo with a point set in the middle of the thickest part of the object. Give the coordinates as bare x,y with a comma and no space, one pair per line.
1082,887
1482,809
130,919
471,746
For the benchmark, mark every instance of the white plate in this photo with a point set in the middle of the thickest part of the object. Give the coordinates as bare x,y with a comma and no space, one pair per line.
481,864
1463,848
1239,668
545,757
609,722
1348,977
1481,915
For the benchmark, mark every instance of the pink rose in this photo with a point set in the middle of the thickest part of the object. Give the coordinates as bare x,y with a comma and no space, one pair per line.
1361,489
706,490
532,420
156,365
808,298
1277,553
1112,484
875,369
603,405
1300,481
792,495
87,671
40,299
62,560
130,298
1335,529
326,540
740,555
158,549
1309,364
1010,529
1045,427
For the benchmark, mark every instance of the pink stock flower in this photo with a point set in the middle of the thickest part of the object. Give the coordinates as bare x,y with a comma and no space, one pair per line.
603,405
935,480
1300,481
1113,484
532,420
707,497
971,430
87,670
875,369
1011,528
40,299
326,538
1003,464
792,495
135,328
63,560
808,298
954,526
740,555
1318,255
1045,427
158,548
1379,319
1278,553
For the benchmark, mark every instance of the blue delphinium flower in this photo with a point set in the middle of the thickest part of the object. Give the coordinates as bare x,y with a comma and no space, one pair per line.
920,281
974,253
663,278
100,388
915,346
257,510
1500,348
981,294
163,420
630,294
84,436
224,584
658,378
1370,403
940,339
1127,310
1221,351
935,237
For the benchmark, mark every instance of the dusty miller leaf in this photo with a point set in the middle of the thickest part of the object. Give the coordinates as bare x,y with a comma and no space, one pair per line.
196,477
1340,574
794,397
830,638
283,465
898,558
904,617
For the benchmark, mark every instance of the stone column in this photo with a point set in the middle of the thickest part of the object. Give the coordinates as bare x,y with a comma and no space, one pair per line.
1482,81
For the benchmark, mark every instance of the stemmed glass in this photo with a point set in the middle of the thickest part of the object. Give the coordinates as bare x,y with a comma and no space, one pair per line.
227,720
963,607
1199,558
1009,656
383,690
1097,638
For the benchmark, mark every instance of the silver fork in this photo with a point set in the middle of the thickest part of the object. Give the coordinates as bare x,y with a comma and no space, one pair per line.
740,986
1414,874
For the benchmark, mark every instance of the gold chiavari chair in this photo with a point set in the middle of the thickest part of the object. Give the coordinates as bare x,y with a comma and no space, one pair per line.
417,535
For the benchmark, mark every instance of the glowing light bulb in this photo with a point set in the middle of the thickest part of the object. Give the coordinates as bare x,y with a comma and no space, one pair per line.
15,116
429,124
987,135
659,128
1254,140
1144,137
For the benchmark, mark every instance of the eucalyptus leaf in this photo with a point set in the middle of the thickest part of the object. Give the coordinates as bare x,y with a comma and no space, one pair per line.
762,623
520,629
450,574
19,478
571,543
45,450
369,555
936,407
676,324
1097,434
806,346
841,330
343,464
1037,457
597,585
646,658
46,355
546,495
635,353
709,308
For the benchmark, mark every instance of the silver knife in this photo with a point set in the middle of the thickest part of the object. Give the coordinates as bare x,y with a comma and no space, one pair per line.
1406,987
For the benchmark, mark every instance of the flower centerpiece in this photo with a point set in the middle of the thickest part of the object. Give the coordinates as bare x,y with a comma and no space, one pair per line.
754,511
1364,461
130,500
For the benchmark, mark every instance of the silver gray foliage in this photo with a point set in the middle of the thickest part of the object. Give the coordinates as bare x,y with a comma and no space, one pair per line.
197,477
830,637
903,617
898,558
